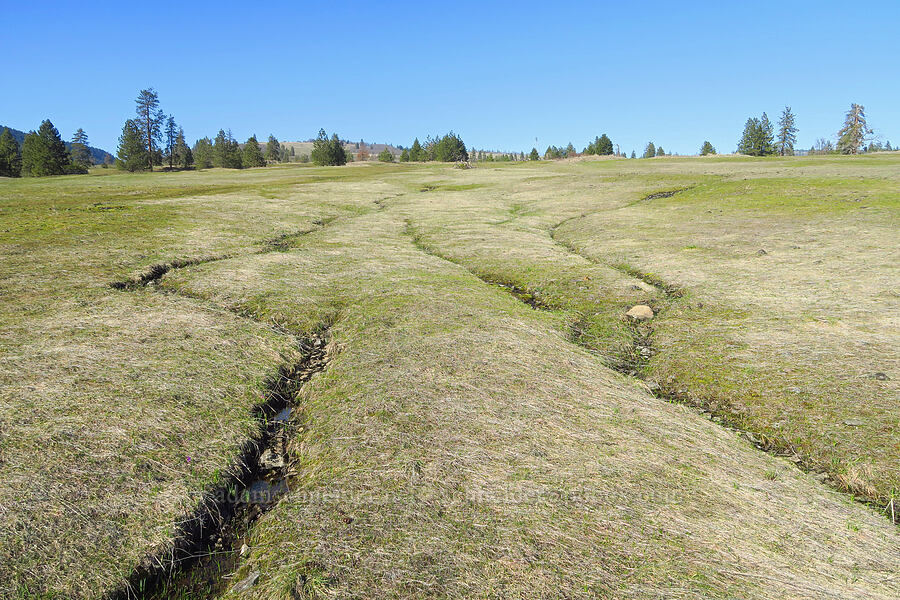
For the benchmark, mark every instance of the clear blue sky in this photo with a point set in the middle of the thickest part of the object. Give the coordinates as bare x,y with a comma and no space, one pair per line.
499,74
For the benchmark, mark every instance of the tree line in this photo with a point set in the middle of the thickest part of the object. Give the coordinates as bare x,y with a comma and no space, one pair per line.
43,153
762,138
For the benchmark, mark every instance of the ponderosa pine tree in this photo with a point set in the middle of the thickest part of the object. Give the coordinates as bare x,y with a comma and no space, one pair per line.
10,156
44,153
853,134
150,119
533,155
132,154
787,133
650,150
252,155
79,152
660,151
707,149
385,156
203,153
404,156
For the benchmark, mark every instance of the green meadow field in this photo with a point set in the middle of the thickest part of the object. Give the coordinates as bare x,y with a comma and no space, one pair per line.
465,408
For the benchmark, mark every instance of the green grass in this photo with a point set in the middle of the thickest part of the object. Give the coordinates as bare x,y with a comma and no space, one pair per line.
461,443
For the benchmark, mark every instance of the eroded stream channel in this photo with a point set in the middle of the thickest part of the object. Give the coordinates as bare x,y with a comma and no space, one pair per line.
210,542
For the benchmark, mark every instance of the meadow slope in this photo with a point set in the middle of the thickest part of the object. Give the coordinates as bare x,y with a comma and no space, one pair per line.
489,423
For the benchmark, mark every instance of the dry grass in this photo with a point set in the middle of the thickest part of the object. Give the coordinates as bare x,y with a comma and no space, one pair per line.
459,444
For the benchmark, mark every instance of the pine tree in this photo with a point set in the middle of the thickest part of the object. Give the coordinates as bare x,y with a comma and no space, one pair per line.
404,156
183,155
888,146
746,145
150,120
226,151
336,151
79,152
787,132
533,155
853,134
171,134
707,149
604,145
385,156
766,138
132,154
758,138
10,156
273,149
650,150
44,152
660,151
203,153
416,153
633,155
328,152
252,155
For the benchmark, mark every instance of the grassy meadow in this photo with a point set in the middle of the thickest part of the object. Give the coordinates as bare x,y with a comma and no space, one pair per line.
490,424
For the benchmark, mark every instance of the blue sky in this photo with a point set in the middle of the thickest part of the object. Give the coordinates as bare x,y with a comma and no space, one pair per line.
499,74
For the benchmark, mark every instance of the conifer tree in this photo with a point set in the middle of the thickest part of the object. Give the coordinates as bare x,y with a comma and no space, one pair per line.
650,150
853,134
132,154
203,153
328,152
633,155
787,133
746,145
183,155
416,153
766,140
404,156
707,149
660,151
273,149
44,152
10,156
533,155
79,152
385,156
171,134
226,152
252,155
150,118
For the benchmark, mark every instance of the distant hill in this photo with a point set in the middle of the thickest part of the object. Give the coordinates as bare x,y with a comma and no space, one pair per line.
353,148
98,155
